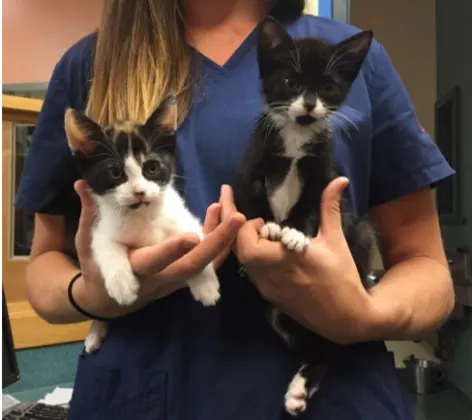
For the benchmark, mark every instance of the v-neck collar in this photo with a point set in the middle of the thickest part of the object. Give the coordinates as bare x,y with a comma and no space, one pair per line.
248,43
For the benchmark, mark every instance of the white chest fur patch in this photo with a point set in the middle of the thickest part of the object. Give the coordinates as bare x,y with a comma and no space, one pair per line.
288,192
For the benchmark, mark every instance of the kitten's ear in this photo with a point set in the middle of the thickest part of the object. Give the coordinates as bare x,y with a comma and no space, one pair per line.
80,130
351,54
274,41
164,118
273,35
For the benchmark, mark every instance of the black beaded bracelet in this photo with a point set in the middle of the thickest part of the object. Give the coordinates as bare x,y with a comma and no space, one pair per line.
76,306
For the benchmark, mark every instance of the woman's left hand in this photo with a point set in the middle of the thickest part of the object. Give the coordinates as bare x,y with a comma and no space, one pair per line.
320,287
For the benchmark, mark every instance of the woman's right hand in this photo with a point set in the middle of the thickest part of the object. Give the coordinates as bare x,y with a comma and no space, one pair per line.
164,267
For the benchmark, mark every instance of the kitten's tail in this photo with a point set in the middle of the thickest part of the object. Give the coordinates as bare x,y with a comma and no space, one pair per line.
361,237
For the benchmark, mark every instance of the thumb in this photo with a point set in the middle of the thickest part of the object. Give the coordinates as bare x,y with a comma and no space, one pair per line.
83,236
331,208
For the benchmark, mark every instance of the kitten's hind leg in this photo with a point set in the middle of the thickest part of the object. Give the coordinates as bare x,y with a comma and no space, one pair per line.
297,394
303,386
97,333
205,287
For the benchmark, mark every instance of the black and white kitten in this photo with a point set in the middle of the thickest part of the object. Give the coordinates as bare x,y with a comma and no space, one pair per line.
130,169
288,164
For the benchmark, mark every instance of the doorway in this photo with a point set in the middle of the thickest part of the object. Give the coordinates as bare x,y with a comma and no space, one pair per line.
429,44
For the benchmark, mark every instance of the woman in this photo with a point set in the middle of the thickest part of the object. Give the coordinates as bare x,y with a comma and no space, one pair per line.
167,357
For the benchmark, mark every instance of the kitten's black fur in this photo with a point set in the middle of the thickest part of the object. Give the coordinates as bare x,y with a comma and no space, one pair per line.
314,70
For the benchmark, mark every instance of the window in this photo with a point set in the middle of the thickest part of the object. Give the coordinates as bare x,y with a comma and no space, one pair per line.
22,223
448,139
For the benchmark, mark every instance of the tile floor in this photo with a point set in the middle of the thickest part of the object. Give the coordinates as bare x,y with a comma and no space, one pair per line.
44,369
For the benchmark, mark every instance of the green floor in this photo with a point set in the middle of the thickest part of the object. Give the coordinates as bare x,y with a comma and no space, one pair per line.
43,369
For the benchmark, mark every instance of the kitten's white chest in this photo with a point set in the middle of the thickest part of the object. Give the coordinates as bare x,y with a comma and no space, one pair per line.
147,225
284,197
134,230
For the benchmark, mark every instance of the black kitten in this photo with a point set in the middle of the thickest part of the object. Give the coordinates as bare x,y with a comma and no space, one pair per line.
288,164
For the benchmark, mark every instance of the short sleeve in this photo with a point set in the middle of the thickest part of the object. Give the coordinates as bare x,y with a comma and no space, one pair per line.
404,157
49,172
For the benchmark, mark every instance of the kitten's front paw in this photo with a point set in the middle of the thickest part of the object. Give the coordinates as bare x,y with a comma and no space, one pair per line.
123,287
294,240
271,231
296,396
205,287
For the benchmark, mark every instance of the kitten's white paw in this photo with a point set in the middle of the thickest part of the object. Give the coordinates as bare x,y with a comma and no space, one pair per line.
95,337
271,230
296,396
122,286
294,240
205,287
93,342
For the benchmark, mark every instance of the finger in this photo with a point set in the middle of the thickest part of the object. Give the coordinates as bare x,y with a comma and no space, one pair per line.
153,259
251,249
212,218
203,254
227,202
87,216
331,208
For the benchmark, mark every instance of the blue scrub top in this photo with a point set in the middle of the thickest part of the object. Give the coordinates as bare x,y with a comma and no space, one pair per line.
176,360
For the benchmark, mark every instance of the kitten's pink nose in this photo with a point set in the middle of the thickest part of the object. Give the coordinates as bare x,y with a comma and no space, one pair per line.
139,194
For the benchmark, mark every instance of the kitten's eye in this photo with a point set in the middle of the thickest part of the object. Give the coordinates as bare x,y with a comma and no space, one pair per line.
329,88
115,172
152,167
290,83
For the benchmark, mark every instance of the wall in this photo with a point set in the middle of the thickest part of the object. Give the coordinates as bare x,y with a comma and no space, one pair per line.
455,68
36,34
312,7
407,30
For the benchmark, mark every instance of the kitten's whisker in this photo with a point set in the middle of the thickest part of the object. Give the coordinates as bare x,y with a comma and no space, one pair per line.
294,62
340,123
338,114
352,110
95,155
340,64
278,103
267,125
108,147
297,49
336,57
186,178
348,109
277,109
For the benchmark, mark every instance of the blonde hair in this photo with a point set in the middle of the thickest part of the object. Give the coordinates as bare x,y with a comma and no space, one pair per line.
141,57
